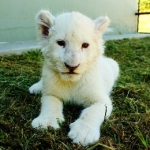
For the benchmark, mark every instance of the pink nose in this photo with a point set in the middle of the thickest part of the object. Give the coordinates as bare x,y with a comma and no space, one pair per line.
71,68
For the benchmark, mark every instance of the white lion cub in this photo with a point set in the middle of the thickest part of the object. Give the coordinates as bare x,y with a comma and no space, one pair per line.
76,70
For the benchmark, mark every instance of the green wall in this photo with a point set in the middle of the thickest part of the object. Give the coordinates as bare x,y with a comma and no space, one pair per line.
17,21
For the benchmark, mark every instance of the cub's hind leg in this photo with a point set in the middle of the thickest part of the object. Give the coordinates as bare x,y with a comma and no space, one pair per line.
36,88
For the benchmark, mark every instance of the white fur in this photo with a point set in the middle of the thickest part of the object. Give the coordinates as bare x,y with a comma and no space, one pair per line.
36,88
90,86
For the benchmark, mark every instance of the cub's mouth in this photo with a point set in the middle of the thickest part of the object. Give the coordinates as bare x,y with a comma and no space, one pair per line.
72,73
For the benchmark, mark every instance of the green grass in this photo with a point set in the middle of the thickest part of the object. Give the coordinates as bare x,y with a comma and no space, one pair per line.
128,127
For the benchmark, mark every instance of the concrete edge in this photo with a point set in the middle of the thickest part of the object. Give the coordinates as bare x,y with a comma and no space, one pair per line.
18,51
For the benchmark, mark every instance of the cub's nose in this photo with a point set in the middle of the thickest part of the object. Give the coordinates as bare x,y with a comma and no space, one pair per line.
71,68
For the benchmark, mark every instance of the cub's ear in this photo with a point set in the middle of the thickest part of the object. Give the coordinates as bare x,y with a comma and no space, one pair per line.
101,24
45,21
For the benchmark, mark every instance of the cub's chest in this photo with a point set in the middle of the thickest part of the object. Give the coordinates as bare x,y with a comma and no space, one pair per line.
66,91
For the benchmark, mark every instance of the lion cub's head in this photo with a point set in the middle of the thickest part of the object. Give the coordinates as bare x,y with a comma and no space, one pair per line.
73,42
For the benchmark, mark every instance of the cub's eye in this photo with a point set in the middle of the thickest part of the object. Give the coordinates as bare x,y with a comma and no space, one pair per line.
61,43
85,45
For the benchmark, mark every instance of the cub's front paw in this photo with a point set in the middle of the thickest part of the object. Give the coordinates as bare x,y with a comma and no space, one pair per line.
45,121
83,133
